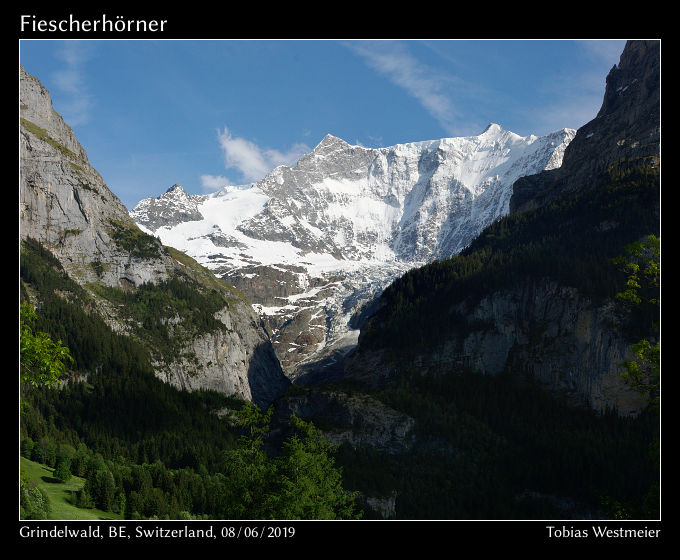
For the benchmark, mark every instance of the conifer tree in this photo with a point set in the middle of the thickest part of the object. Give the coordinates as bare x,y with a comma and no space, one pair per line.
62,470
309,485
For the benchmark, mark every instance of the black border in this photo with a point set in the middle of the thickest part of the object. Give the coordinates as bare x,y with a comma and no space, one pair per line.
301,22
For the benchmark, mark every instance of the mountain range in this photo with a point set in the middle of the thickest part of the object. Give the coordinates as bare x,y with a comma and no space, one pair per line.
313,245
66,207
444,311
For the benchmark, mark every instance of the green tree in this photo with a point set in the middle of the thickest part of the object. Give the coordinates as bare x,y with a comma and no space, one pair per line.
119,503
27,445
309,485
42,360
643,372
101,487
34,503
79,460
83,499
301,483
642,264
248,469
62,470
45,451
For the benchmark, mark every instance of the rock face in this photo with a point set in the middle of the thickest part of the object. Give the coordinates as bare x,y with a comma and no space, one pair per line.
239,361
625,132
359,420
313,245
551,331
65,205
540,328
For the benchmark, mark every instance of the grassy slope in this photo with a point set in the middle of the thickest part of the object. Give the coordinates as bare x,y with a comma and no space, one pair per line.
59,492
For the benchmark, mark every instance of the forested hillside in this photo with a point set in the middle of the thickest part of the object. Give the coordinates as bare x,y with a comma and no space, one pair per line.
141,371
571,240
535,291
560,295
147,449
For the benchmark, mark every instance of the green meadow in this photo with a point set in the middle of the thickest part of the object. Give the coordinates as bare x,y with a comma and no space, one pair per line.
59,493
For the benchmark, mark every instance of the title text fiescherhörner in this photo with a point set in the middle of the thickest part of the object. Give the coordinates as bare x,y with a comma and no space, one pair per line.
103,24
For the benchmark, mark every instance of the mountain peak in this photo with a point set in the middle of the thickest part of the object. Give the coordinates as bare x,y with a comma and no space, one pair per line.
329,140
625,132
341,224
492,128
176,188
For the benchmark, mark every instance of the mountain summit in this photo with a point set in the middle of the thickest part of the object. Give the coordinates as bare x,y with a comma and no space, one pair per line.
535,292
68,211
311,244
624,134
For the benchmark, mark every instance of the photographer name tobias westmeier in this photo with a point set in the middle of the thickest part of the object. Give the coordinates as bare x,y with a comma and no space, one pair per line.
30,23
602,532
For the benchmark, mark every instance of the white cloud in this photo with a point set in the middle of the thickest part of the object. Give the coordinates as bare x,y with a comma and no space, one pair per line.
212,183
577,95
252,161
76,104
434,89
606,50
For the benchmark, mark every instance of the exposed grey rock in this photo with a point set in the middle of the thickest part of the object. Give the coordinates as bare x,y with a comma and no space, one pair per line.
542,328
353,219
65,205
556,335
385,506
545,329
237,361
357,419
625,132
171,208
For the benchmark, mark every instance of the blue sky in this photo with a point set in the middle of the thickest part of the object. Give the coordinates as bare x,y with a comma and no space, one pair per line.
206,113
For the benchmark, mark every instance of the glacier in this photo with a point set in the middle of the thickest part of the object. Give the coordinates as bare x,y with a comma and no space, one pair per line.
312,245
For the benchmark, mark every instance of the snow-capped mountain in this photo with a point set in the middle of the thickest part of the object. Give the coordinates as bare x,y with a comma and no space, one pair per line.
311,244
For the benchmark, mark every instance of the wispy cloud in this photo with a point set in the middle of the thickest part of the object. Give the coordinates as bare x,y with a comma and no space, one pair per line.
252,161
212,183
578,95
434,89
76,103
606,50
455,100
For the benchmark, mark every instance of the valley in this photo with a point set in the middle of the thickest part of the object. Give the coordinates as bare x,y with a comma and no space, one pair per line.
465,328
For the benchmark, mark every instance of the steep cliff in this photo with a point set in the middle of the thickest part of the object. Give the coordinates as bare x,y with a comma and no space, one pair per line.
537,327
533,293
66,206
356,419
625,133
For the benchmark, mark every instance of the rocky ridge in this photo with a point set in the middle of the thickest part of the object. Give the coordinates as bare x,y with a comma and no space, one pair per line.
624,133
314,244
562,338
67,207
